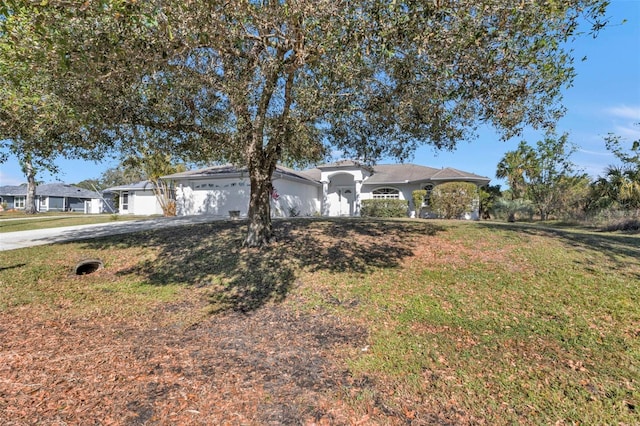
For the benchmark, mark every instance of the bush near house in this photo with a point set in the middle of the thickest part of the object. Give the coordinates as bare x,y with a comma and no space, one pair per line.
384,208
451,200
418,199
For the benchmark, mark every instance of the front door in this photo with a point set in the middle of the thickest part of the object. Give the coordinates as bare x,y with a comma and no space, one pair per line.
346,198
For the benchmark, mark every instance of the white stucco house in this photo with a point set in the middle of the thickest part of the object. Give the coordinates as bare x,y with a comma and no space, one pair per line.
335,189
54,197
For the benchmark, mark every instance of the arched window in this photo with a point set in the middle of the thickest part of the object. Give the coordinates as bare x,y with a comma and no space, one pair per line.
386,193
427,197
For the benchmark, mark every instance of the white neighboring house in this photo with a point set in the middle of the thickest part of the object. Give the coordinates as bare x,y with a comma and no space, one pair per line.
54,197
335,189
136,198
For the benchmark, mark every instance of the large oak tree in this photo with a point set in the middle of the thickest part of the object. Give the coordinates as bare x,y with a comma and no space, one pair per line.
258,82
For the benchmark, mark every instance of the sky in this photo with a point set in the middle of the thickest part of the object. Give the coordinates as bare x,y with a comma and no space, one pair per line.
604,98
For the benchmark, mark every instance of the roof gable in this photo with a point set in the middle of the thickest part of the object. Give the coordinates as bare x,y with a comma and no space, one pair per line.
448,174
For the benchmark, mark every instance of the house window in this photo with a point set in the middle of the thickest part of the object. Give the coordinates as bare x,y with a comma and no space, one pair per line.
125,201
427,196
19,202
386,193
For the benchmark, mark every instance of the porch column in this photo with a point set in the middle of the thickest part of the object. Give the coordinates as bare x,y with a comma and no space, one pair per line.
357,201
324,205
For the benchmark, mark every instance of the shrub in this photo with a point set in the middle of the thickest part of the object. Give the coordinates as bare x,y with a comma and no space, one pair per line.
384,208
628,225
616,220
451,200
513,210
418,198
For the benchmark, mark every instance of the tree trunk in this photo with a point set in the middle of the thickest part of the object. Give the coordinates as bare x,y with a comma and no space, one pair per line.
30,203
260,232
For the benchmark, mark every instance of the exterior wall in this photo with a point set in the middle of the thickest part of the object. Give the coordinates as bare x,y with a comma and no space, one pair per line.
95,206
216,197
139,202
295,197
405,191
144,203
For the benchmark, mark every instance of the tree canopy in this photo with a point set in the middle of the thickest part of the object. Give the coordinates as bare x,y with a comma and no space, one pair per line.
258,82
544,175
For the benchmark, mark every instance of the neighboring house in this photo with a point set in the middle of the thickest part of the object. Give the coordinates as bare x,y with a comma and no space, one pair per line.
137,198
53,197
335,189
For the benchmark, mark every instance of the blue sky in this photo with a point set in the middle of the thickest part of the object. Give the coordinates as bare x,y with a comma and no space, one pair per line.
604,98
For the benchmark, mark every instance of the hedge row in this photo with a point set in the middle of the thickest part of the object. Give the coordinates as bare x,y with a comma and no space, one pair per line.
384,208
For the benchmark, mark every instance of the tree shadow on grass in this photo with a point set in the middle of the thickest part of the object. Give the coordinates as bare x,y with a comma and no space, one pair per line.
17,265
619,248
243,280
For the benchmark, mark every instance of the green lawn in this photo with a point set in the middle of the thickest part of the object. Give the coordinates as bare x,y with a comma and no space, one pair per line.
467,322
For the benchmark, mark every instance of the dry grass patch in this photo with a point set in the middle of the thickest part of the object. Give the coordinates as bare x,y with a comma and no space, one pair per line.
339,322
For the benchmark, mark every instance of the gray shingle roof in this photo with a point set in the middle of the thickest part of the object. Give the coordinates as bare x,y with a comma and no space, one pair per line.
404,173
229,169
382,173
399,173
50,190
449,174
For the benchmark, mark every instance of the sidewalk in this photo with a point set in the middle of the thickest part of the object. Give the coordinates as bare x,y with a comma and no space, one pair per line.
21,239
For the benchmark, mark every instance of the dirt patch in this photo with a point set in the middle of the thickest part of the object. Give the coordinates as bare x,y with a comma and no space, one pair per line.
273,366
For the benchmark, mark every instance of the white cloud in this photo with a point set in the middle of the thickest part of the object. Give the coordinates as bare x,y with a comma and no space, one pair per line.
601,153
625,112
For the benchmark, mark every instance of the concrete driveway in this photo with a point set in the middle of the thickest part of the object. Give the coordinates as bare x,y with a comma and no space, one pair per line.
21,239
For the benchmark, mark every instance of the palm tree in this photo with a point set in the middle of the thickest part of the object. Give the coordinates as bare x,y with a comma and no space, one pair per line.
629,192
515,166
620,187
